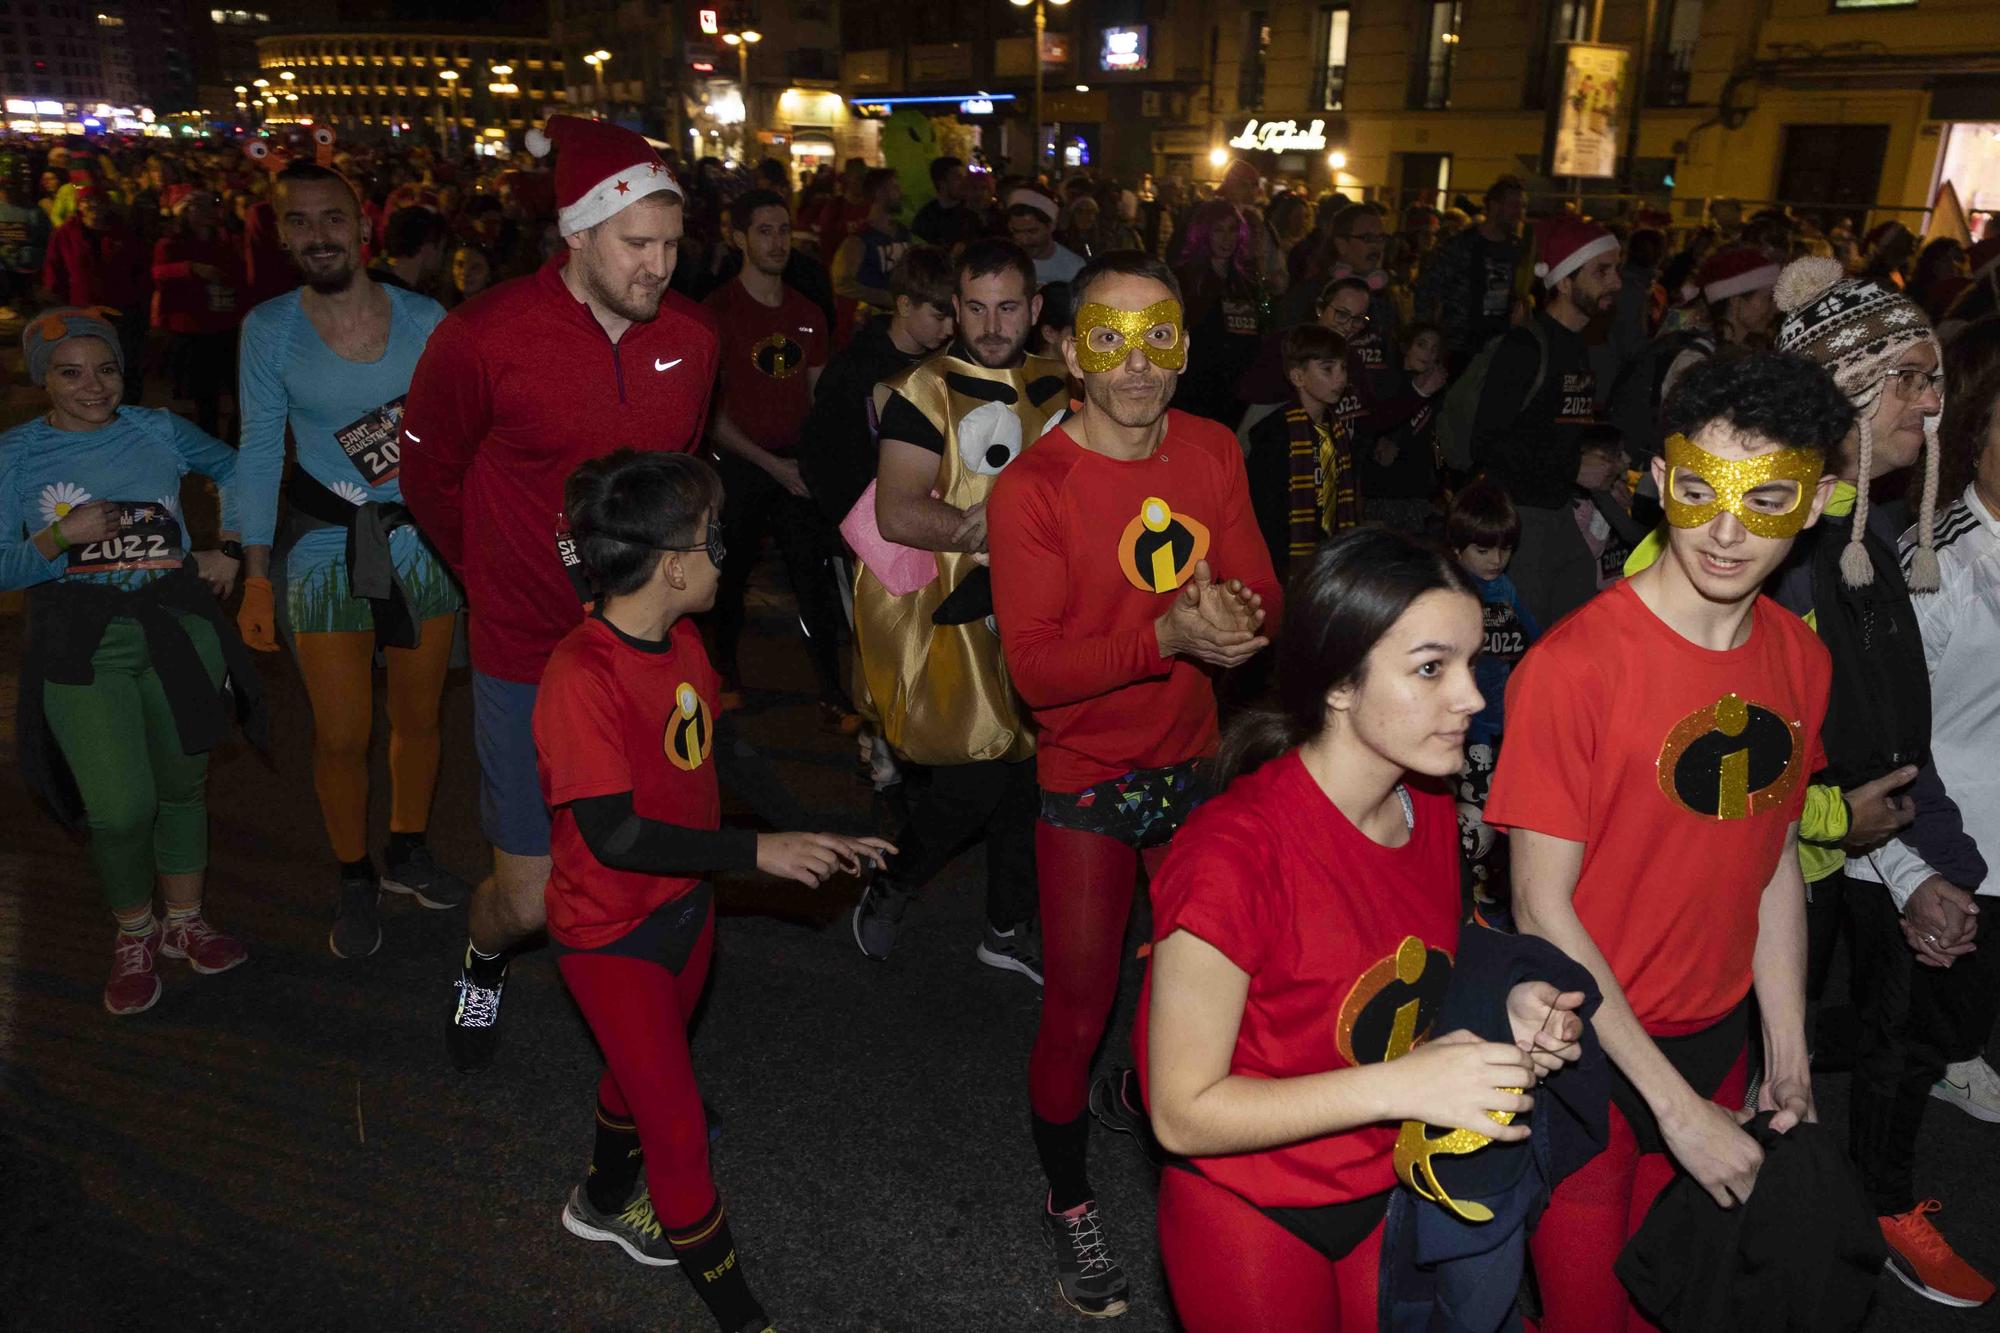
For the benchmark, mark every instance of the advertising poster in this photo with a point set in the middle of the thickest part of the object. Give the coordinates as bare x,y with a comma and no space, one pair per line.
1593,85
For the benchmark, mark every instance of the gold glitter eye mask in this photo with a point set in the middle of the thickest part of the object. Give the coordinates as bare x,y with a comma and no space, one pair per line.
1133,328
1733,479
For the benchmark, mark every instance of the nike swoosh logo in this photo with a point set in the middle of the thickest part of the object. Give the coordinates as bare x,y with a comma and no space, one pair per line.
414,438
667,365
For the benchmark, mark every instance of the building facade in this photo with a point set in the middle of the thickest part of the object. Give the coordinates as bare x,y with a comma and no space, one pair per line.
488,87
64,62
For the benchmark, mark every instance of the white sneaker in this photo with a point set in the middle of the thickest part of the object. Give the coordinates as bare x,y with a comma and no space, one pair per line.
1973,1087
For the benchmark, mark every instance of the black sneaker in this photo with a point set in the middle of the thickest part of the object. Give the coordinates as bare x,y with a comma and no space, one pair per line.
635,1231
357,929
1088,1279
1011,950
877,916
426,881
1114,1102
475,1020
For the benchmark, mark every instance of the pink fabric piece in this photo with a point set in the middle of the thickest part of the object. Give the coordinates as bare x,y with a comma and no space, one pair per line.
900,569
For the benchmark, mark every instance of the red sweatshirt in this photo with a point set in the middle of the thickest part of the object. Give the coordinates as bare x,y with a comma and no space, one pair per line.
184,303
516,388
107,266
1087,553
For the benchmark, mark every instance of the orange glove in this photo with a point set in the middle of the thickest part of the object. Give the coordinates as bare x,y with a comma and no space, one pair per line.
255,619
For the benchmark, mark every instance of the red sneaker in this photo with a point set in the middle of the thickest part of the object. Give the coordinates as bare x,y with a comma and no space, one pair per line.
135,983
1927,1264
206,949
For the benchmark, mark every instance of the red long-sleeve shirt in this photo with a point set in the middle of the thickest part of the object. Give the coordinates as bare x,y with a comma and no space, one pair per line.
516,388
186,303
97,266
1088,552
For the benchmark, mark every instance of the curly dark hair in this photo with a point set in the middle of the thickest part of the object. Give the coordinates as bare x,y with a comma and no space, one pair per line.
1784,398
1972,383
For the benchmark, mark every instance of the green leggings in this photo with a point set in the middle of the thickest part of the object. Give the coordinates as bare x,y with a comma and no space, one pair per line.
144,799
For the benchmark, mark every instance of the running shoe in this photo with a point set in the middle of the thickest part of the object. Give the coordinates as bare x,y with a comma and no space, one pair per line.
877,916
135,980
1925,1262
206,949
838,717
475,1021
635,1231
425,880
1972,1087
1011,950
1114,1102
1088,1279
357,926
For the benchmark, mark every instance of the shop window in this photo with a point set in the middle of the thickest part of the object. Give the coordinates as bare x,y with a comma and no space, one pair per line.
1672,68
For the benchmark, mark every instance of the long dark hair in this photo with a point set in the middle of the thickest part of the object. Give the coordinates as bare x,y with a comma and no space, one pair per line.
1972,396
1338,605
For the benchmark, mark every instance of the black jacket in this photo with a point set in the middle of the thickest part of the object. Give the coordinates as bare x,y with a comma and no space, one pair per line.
837,445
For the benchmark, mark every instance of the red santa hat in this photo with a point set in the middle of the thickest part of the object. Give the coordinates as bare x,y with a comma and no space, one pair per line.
602,168
1567,245
1735,270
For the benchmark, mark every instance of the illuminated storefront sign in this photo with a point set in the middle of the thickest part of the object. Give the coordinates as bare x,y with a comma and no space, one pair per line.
1281,136
1123,50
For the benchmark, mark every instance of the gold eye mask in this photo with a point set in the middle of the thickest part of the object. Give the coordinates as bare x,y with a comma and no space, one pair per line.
1733,479
1132,328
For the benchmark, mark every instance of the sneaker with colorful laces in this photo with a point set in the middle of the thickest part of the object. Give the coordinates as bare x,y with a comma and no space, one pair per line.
475,1019
419,876
206,949
1924,1261
635,1230
1973,1087
135,980
1088,1279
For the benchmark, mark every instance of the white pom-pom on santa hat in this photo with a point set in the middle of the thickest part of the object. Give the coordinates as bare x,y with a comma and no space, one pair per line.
537,142
1806,280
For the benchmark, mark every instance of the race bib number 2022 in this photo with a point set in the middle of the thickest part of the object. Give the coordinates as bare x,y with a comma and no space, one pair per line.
373,443
149,539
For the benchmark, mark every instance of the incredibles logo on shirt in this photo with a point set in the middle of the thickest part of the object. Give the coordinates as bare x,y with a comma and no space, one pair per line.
690,729
1731,760
1391,1006
1159,547
778,356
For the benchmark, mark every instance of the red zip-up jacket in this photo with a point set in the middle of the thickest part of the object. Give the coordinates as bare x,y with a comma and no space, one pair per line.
184,303
516,389
1071,544
107,266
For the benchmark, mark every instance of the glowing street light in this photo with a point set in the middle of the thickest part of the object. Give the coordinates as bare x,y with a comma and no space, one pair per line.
260,83
743,41
1218,157
287,75
597,60
1337,160
1041,26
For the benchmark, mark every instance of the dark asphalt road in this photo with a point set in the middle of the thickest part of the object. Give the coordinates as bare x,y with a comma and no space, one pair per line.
286,1146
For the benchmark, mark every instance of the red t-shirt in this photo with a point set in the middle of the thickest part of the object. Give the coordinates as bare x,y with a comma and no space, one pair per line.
1275,876
1679,768
515,389
1088,552
610,717
766,352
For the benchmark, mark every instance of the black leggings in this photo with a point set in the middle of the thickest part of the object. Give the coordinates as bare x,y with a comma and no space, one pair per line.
754,504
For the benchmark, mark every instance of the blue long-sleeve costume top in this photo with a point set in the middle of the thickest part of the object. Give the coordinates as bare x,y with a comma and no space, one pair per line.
1509,630
345,418
137,458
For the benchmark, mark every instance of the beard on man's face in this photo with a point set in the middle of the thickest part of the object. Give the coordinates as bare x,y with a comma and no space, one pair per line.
638,302
326,268
996,351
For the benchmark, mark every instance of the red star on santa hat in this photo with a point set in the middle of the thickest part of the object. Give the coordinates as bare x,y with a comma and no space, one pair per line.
623,188
654,168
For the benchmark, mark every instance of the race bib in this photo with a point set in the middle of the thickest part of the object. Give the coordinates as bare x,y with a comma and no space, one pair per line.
572,562
150,539
1499,298
1239,317
373,444
221,298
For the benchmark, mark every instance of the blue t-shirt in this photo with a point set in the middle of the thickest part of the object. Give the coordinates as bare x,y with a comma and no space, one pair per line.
346,420
138,459
1509,631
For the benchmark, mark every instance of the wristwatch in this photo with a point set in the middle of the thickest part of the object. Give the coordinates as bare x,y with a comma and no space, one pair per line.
234,550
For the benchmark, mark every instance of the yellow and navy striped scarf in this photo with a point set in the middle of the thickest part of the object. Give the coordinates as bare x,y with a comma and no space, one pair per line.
1323,498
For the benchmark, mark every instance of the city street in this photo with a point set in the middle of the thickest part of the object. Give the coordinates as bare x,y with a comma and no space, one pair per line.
286,1145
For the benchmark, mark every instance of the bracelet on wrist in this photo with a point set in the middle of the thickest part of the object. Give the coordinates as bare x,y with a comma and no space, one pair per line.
56,533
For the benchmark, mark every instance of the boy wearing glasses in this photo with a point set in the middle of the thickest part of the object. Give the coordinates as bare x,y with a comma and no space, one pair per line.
1879,782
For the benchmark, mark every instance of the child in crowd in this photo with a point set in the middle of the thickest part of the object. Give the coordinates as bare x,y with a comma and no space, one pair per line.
1301,462
1603,505
1481,531
625,740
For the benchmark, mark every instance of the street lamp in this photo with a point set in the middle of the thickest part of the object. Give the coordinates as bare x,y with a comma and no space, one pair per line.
743,41
597,60
504,88
1041,26
450,77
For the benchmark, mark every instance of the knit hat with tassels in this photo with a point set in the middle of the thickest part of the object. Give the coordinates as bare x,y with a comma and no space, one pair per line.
1858,331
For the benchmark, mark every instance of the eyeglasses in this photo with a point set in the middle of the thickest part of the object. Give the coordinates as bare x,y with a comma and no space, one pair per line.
1340,316
1911,383
711,544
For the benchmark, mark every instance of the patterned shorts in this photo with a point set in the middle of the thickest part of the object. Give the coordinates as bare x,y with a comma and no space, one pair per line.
1143,808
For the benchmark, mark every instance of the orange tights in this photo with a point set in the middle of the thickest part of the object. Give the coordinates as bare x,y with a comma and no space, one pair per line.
340,682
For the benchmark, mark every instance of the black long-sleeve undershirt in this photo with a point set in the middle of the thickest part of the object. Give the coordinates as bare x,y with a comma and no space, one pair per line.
624,840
